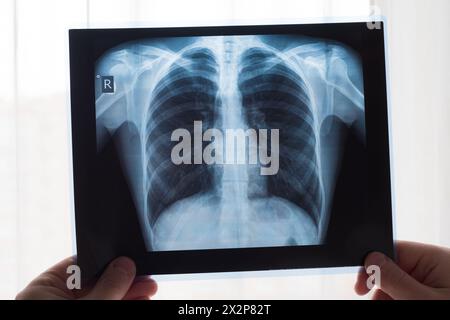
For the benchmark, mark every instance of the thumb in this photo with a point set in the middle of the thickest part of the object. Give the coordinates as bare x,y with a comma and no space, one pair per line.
115,281
394,281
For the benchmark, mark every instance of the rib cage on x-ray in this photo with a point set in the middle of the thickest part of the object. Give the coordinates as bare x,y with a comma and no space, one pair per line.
275,96
187,93
259,82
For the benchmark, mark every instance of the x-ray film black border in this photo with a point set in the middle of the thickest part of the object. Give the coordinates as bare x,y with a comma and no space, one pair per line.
85,48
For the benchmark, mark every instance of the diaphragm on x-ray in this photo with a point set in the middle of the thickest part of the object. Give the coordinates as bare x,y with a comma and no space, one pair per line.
224,140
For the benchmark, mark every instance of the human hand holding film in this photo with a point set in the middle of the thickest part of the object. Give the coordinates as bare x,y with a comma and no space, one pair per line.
421,272
118,282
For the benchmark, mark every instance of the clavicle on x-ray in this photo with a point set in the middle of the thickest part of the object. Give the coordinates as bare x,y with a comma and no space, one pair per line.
248,120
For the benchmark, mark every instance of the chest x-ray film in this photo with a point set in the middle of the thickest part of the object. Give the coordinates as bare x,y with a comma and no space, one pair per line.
223,140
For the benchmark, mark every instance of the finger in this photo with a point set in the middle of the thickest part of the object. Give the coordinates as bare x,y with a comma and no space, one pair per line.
380,295
394,281
53,275
60,269
141,289
115,281
419,260
361,283
409,253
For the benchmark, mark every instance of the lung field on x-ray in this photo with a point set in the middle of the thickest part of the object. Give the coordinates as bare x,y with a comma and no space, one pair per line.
231,82
275,96
187,93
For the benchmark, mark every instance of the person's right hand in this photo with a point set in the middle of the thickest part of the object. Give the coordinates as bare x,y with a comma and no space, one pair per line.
421,272
117,282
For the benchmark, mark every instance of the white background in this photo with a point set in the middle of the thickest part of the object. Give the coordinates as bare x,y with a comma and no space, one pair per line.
35,195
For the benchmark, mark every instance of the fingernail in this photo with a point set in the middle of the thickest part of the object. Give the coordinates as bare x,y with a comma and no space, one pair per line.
143,279
375,259
125,265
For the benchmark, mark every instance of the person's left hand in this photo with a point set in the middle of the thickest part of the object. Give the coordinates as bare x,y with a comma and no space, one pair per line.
117,282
